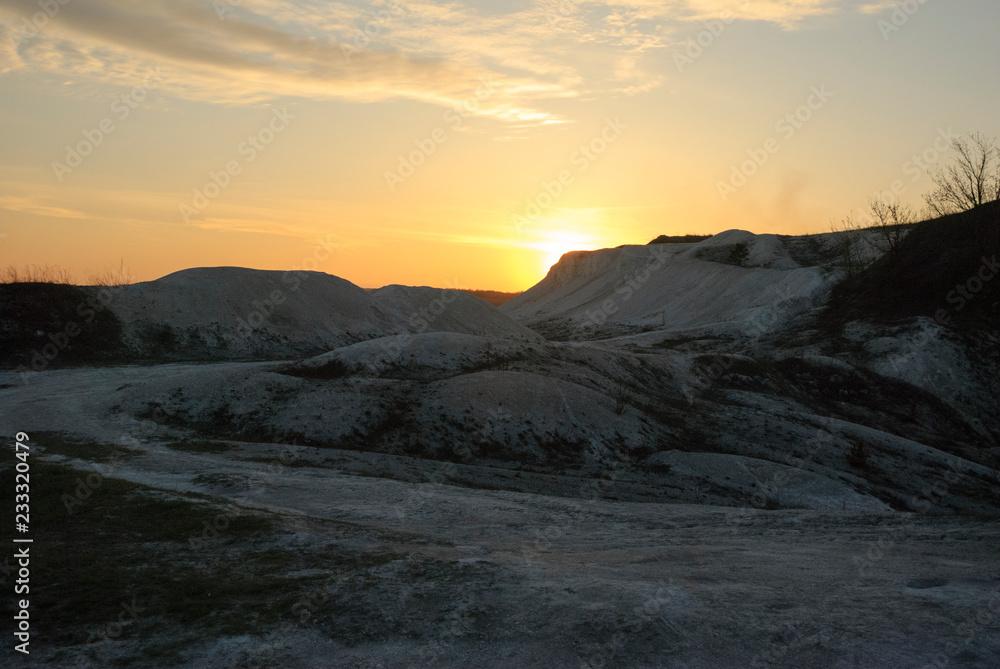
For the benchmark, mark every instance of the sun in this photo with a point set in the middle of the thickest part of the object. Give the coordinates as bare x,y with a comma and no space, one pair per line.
559,242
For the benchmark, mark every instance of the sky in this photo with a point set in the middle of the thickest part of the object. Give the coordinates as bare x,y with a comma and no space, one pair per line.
464,144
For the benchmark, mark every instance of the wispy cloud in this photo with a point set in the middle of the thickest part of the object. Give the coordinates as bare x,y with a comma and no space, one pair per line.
261,49
253,57
789,14
254,226
28,205
878,7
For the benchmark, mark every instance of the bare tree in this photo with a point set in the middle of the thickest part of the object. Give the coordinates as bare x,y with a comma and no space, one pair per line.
890,220
972,180
848,237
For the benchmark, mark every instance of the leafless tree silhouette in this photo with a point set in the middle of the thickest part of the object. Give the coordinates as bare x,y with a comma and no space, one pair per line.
849,238
890,219
972,180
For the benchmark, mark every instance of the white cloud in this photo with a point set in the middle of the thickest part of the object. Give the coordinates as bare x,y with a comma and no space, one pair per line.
878,7
789,14
262,49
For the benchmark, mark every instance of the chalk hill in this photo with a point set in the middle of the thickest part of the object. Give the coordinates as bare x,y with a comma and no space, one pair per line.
735,283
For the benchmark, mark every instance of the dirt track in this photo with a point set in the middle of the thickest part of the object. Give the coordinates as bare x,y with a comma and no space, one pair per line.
500,579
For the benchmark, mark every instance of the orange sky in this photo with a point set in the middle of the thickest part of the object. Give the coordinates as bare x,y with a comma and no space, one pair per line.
465,144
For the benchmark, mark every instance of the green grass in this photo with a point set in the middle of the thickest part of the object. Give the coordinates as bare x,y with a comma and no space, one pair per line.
126,543
56,444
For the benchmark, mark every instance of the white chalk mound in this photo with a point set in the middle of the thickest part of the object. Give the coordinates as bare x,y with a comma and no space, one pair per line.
238,313
420,355
734,283
425,309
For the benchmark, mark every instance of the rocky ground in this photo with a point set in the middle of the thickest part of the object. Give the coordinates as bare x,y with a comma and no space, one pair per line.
277,556
701,455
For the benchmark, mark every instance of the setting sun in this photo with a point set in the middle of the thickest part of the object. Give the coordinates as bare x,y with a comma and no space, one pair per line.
512,333
559,243
253,134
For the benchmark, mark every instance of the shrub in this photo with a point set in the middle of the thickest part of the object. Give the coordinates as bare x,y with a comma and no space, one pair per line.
858,456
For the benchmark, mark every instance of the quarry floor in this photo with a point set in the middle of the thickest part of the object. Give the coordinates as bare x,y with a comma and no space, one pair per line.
445,576
375,562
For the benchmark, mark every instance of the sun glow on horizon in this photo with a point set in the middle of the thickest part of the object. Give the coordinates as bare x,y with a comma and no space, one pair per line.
560,242
474,146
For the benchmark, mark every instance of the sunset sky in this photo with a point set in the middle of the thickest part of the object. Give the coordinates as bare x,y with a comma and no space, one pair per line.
463,143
